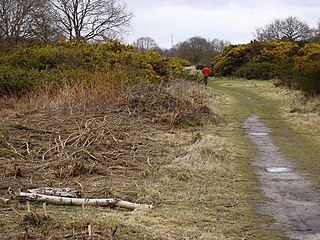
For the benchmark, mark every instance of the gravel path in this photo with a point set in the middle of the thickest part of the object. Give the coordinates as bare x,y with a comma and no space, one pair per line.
294,205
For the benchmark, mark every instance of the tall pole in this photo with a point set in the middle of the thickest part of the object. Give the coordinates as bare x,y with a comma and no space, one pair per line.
171,40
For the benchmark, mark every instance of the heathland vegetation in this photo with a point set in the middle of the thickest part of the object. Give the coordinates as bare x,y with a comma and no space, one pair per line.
69,64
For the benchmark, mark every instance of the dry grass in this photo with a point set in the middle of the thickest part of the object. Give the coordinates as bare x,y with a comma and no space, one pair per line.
302,112
133,145
93,94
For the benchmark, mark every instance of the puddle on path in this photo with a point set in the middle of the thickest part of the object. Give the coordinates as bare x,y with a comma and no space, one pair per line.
259,134
295,206
278,169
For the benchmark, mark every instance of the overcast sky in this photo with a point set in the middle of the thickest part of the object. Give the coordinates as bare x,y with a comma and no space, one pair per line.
232,20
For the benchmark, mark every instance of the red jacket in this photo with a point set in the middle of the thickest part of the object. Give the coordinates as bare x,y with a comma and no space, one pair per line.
206,72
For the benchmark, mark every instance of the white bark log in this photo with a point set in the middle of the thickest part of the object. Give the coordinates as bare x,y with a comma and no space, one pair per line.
61,192
110,202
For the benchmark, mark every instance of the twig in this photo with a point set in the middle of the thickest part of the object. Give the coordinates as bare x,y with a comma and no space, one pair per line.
13,148
77,182
112,135
148,160
28,150
113,233
83,150
44,154
44,207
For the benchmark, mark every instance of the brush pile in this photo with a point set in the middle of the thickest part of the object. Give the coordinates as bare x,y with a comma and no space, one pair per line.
106,152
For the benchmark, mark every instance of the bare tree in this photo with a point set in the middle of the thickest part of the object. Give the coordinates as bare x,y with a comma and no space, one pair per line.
26,21
316,33
288,29
199,50
195,49
43,28
91,19
15,20
145,44
218,45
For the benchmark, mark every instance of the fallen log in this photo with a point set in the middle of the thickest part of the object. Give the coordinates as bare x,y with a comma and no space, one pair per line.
108,202
61,192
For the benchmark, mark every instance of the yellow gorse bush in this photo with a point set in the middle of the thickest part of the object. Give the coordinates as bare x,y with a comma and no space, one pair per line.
309,48
231,58
53,64
277,52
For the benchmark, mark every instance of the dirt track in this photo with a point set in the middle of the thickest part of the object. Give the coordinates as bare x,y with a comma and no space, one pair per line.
294,205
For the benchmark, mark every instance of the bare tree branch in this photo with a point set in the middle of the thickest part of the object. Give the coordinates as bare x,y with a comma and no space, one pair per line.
91,19
288,29
199,50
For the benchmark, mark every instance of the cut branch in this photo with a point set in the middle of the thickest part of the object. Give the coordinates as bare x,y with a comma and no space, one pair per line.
110,202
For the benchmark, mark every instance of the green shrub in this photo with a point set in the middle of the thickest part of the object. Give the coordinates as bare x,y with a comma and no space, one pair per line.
199,67
46,58
307,72
252,70
309,82
16,81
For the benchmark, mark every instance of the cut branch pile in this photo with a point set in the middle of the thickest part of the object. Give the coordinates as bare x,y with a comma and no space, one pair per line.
155,102
107,153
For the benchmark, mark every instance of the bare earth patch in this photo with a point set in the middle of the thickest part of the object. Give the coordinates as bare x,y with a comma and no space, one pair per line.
294,204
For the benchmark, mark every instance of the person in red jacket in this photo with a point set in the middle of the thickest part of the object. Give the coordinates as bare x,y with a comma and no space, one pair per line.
206,74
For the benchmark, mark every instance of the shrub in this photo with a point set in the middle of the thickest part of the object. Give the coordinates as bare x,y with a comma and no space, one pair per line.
309,48
199,67
278,52
261,60
70,63
16,81
230,59
307,72
46,58
253,70
256,48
